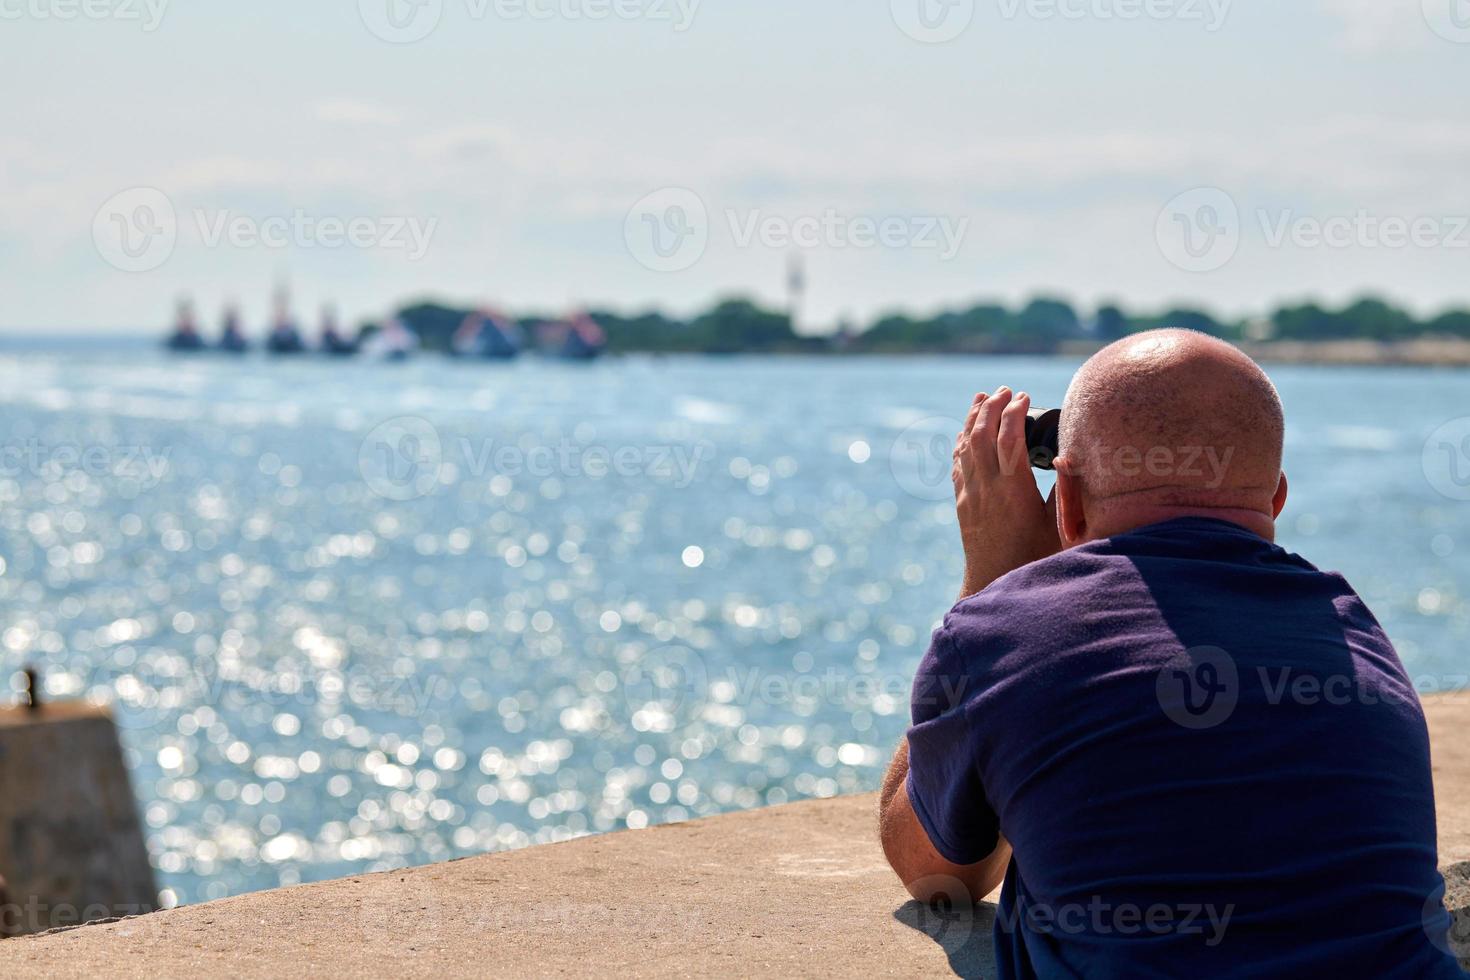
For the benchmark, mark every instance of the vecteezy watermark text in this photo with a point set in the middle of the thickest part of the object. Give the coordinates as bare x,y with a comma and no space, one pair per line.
1206,465
143,694
669,230
37,459
1363,229
137,230
147,13
1201,687
409,21
301,229
952,912
405,458
1100,917
921,460
938,21
831,229
33,914
1202,229
1209,13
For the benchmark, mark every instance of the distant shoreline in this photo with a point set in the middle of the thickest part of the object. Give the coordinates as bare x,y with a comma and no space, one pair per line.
1430,352
1421,352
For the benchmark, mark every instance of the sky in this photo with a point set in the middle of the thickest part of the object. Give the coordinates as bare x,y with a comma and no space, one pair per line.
911,155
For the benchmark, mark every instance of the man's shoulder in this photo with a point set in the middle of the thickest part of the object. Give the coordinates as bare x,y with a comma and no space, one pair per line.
1074,570
1023,619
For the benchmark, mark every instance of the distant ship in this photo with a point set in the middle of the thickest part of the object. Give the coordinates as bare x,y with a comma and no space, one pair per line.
231,337
578,338
486,334
395,342
285,337
185,336
333,342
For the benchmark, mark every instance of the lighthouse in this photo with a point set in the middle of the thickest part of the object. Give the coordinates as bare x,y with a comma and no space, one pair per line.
795,289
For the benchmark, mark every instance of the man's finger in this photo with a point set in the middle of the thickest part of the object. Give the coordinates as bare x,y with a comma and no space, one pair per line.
1011,444
969,425
987,429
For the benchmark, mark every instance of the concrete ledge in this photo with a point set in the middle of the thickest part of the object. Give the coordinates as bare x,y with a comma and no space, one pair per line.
799,889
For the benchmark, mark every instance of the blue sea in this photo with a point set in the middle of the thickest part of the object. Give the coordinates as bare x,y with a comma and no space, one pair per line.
353,616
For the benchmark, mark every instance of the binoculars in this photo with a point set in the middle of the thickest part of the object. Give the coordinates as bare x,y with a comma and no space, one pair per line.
1042,426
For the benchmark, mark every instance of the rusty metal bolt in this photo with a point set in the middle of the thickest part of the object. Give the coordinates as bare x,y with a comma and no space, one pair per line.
33,689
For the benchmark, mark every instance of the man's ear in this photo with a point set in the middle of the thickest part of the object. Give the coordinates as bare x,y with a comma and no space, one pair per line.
1278,501
1071,519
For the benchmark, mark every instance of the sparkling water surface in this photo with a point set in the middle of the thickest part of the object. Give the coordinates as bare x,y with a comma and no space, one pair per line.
355,616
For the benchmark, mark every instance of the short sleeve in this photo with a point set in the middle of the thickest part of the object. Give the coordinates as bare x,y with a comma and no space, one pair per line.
944,776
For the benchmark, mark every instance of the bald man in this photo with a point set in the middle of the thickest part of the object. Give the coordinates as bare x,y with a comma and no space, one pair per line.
1183,750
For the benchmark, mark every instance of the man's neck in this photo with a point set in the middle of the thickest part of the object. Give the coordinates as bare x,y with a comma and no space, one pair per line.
1255,521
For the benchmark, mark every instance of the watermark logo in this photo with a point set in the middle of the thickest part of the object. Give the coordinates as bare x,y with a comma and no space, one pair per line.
933,21
922,458
1198,688
1446,459
1449,930
668,230
415,916
663,684
951,915
1199,230
401,21
141,695
1450,19
136,230
139,229
401,458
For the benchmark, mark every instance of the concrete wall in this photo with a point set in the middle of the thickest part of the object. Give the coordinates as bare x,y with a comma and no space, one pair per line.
800,889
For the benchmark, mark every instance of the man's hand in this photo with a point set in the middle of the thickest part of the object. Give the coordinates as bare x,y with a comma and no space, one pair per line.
1004,523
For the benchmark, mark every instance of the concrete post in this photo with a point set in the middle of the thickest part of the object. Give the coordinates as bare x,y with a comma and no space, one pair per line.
71,846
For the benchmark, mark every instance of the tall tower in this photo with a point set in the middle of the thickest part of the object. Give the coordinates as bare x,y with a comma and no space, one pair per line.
795,289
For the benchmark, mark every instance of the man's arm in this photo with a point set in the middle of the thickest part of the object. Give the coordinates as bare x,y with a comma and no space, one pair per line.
1004,524
923,870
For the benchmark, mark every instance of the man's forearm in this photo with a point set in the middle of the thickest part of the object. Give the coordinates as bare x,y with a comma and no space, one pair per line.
922,869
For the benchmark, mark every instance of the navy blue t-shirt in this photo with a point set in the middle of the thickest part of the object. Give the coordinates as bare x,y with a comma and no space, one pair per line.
1205,755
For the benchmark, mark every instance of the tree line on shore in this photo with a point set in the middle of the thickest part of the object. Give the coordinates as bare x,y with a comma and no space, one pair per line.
1043,325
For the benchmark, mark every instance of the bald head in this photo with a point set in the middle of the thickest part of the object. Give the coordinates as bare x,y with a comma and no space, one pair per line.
1171,422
